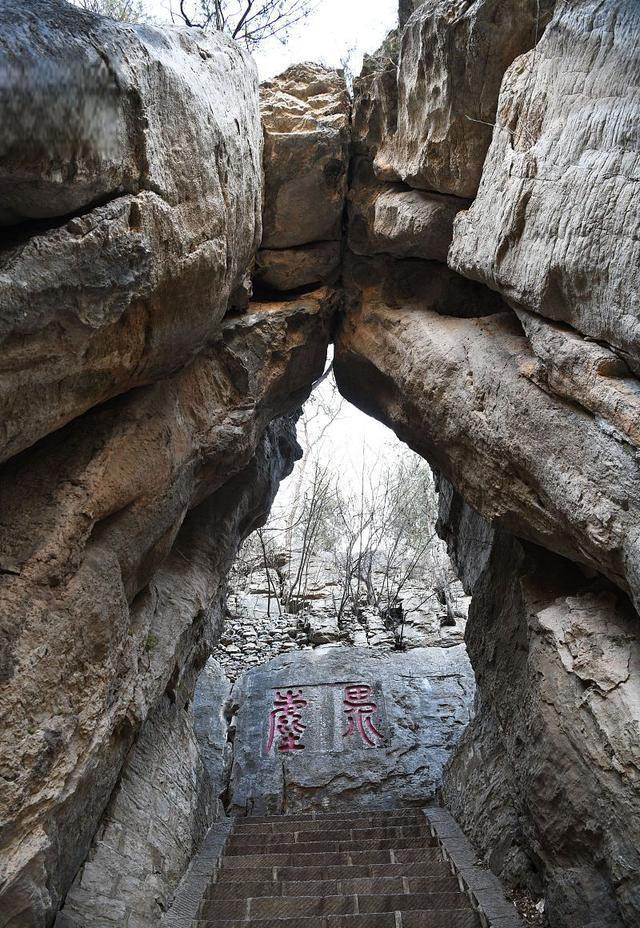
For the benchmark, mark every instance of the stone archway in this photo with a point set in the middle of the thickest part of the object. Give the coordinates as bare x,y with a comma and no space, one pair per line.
147,400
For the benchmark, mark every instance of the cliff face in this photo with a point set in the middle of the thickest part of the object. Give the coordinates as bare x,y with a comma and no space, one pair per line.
523,397
147,413
482,224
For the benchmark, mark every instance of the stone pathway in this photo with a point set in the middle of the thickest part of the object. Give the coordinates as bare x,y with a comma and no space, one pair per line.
373,869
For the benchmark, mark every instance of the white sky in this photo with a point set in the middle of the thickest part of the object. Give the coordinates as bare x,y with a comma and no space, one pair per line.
335,30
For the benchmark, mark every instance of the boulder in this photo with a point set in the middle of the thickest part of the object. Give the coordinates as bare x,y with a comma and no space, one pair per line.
453,56
151,140
396,220
294,268
416,706
305,116
554,225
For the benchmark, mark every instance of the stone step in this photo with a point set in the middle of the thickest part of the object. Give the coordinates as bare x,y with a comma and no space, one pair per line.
304,906
315,820
331,847
437,867
267,838
363,885
454,918
332,858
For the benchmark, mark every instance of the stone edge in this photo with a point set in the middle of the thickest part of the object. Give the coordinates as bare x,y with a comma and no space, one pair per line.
191,890
483,886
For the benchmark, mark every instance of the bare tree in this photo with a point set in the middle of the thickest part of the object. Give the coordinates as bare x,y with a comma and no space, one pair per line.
126,11
247,21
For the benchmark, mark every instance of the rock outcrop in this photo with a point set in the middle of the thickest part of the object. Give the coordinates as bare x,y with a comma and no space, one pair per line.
306,115
120,519
554,225
413,709
149,408
527,406
141,150
553,753
453,56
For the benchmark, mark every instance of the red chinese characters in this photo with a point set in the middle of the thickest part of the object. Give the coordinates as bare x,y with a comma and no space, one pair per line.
359,708
285,721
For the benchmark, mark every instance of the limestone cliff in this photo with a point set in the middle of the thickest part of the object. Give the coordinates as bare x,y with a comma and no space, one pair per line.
148,413
479,210
526,405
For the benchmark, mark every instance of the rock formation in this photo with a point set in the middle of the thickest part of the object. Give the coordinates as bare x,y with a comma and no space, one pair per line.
487,312
528,409
417,704
305,114
552,754
121,519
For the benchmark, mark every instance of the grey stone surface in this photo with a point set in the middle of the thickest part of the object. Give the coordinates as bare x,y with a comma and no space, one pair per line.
158,817
258,627
305,116
190,462
545,779
483,886
189,895
452,59
210,727
291,268
422,705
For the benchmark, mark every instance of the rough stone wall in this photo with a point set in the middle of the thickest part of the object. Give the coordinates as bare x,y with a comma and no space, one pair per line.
140,398
258,626
552,754
527,405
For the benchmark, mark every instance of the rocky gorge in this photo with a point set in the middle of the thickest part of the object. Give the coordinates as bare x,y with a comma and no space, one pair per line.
180,248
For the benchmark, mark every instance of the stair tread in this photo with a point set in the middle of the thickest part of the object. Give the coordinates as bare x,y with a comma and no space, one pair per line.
290,873
333,834
364,885
307,816
415,918
332,847
332,858
279,824
337,904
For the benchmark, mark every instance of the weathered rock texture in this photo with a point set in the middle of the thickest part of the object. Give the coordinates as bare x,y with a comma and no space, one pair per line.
453,56
458,391
554,754
554,227
147,410
123,549
161,130
119,525
528,406
305,115
420,705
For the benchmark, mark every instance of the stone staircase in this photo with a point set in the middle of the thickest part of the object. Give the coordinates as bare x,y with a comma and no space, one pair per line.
373,869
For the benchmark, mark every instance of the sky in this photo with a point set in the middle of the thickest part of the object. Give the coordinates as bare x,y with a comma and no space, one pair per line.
335,31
